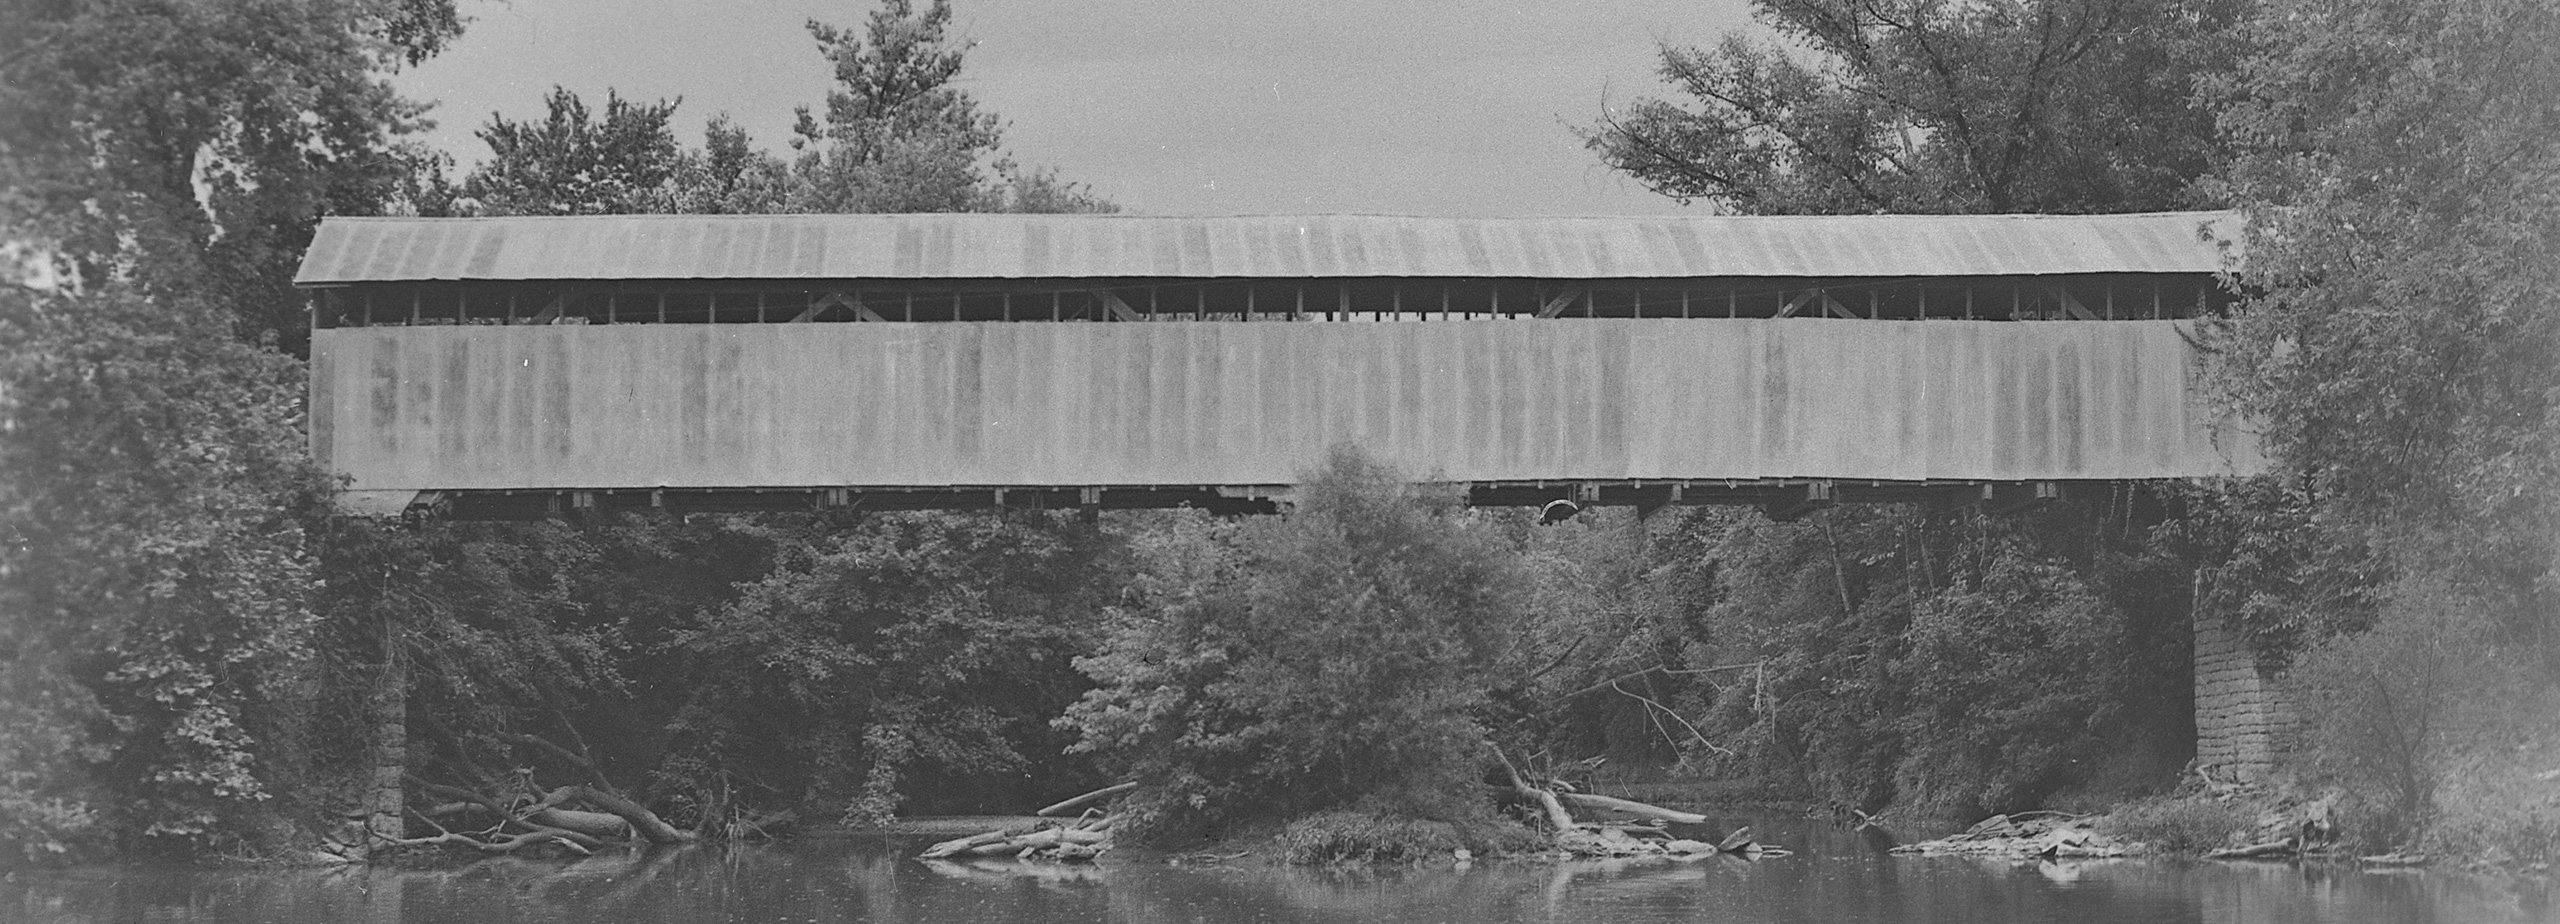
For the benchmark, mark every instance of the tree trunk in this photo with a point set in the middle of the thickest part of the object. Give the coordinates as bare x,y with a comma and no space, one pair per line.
1629,807
1087,799
642,820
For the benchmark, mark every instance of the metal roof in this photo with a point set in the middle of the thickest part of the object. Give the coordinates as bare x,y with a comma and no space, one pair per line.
1006,246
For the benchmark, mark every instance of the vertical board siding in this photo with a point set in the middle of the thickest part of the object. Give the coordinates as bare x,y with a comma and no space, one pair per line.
899,405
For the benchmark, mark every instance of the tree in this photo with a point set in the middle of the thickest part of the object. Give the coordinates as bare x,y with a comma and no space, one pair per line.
2401,347
190,148
571,164
903,656
154,573
1935,106
1331,658
897,136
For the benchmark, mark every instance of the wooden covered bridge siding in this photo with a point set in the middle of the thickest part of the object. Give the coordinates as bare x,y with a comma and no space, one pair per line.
506,410
920,406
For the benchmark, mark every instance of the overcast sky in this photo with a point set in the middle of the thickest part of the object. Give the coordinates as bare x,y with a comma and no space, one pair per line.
1204,107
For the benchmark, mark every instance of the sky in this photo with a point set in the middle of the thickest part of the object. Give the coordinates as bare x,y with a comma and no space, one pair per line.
1169,107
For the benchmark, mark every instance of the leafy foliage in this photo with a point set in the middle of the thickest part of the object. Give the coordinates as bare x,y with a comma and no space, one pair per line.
1947,663
572,164
906,655
190,148
1930,106
2402,347
898,136
1327,659
154,570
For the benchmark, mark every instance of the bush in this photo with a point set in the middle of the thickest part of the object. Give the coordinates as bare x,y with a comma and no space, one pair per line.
1360,837
2179,824
1324,659
2393,713
1355,836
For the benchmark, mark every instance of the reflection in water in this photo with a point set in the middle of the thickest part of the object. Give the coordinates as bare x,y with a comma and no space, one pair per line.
1838,876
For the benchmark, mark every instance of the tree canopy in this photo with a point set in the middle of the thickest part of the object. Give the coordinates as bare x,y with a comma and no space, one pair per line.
2401,347
1935,106
190,148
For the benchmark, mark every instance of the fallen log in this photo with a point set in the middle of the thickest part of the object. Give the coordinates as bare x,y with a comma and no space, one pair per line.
497,843
2395,859
954,847
1545,798
1736,842
592,824
1599,803
1026,846
2282,848
1087,799
642,820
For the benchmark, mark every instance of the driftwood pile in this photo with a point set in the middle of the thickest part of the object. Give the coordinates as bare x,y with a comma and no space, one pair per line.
2290,830
1080,840
2026,836
1636,830
1651,836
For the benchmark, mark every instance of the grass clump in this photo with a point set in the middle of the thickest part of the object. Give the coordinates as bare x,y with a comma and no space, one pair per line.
2178,824
1351,836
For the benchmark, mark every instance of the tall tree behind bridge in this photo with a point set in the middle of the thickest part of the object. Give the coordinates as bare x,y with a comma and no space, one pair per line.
2402,348
1935,106
895,135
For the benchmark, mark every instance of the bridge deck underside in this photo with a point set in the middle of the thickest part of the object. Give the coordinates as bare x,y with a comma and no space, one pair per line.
1160,414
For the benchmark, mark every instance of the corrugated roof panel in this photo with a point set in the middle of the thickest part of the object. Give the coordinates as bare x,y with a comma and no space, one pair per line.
1072,246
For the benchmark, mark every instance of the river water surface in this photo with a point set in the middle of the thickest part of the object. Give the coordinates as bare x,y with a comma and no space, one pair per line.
1838,876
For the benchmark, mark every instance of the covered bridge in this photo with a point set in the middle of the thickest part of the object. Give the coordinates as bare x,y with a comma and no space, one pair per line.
506,367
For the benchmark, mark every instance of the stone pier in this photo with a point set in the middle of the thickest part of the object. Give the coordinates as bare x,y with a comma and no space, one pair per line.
2241,712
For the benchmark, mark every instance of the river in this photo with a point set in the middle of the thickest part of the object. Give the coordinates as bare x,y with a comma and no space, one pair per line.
1838,877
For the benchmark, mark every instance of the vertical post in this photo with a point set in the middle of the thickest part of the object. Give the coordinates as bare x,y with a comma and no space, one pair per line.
1200,303
414,298
911,305
1684,303
1732,301
1053,306
1875,306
